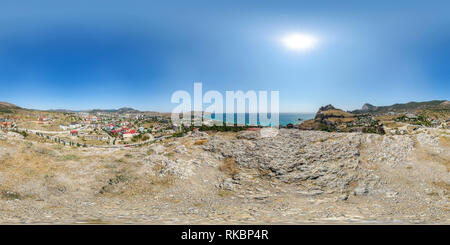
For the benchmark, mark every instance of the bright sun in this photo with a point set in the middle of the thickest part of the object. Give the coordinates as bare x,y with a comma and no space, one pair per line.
299,42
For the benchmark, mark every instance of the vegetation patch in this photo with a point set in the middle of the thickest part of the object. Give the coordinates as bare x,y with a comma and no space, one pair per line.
121,160
70,157
200,142
111,166
93,222
229,166
418,120
224,193
11,195
166,180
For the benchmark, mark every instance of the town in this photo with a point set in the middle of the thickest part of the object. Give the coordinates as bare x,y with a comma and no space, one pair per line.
127,127
92,128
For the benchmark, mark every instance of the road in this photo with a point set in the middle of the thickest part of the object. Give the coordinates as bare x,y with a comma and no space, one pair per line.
50,135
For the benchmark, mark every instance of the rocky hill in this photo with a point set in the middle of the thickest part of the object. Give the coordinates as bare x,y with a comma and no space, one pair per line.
291,177
6,107
406,107
332,119
372,119
368,107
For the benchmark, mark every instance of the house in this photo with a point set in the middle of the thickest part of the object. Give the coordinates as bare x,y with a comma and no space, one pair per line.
74,125
110,127
93,125
129,134
96,137
116,132
74,133
169,131
6,124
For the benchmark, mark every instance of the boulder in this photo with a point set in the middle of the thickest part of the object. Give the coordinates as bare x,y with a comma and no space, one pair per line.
268,132
180,149
249,135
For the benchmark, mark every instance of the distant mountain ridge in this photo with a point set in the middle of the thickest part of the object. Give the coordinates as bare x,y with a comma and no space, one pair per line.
410,106
123,110
6,107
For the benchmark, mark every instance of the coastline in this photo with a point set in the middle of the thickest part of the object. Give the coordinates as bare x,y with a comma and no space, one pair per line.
284,118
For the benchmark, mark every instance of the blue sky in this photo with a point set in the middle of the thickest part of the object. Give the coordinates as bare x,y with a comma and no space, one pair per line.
110,54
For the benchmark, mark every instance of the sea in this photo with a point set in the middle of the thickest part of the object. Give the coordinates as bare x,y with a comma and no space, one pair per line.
284,118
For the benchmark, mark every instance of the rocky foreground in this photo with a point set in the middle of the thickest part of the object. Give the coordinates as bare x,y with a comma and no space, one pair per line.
249,177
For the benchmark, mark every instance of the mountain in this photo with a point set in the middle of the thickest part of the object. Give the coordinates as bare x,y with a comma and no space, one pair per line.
123,110
8,107
369,107
60,110
330,111
406,107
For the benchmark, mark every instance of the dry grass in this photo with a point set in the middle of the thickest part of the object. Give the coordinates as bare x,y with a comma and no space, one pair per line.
341,120
24,166
351,186
10,195
443,185
166,180
229,166
308,123
93,222
158,167
40,170
321,140
392,124
337,113
127,184
145,185
425,155
69,157
386,117
200,142
121,160
110,166
224,193
445,141
263,172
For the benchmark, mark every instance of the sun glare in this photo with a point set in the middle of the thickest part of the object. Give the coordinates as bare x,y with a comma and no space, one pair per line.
299,42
